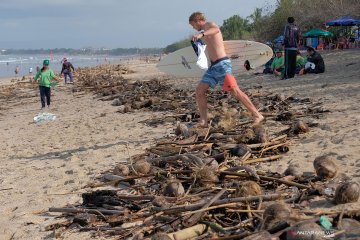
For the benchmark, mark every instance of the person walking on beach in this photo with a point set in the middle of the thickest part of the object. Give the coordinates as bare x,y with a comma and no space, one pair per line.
220,71
67,68
17,70
291,43
44,78
30,71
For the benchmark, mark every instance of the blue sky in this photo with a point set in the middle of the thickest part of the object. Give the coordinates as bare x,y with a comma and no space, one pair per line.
108,23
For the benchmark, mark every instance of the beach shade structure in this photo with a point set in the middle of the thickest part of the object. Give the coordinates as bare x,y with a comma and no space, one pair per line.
316,32
343,21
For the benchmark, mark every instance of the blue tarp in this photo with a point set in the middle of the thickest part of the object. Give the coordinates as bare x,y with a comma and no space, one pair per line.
279,39
344,21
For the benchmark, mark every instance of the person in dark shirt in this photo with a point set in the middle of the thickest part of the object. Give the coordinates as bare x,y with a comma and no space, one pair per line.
291,43
67,69
315,62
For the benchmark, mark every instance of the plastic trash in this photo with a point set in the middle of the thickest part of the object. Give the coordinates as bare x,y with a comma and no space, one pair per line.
43,117
325,222
329,191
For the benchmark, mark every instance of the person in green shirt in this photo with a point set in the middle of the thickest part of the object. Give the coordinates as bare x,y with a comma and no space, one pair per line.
300,63
44,78
277,65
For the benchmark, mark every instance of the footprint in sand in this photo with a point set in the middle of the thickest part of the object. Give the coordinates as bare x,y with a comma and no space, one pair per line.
337,139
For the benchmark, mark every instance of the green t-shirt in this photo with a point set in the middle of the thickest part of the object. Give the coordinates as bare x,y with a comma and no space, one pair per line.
45,77
300,61
277,62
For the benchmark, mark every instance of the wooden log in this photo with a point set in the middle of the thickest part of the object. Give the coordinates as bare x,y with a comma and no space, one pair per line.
196,206
252,146
85,210
267,178
197,216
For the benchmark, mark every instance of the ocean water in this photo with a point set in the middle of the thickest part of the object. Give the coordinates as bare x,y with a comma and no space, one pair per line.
8,63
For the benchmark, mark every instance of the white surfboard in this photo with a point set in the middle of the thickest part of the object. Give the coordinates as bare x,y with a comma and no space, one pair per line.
182,63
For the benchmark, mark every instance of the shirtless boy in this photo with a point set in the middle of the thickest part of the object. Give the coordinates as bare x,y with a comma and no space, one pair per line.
220,71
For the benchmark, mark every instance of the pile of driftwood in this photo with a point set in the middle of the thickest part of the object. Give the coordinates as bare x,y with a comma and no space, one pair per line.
101,79
208,183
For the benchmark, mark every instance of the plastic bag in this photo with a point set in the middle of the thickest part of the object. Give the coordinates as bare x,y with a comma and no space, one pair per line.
43,117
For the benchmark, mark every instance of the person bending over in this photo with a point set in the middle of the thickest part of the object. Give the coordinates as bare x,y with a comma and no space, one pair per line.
220,71
67,69
315,63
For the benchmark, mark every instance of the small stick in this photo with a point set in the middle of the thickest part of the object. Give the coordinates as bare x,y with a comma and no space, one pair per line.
131,162
245,210
210,208
257,145
245,157
256,160
340,218
272,147
208,131
278,138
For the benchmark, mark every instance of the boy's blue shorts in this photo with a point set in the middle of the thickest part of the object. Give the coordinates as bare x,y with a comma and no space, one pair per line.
216,73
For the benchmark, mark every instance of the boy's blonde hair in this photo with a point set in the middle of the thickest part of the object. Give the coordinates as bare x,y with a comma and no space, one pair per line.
197,16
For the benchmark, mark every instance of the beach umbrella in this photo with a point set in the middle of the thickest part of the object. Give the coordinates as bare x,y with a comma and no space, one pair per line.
316,32
343,21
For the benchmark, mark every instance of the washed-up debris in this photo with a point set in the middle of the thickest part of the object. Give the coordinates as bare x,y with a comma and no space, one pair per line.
208,183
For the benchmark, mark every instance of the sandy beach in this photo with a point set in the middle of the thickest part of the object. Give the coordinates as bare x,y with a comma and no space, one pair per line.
48,165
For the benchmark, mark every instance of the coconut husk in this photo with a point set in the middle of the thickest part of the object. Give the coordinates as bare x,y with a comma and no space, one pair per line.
248,188
347,192
142,167
299,127
206,176
325,167
182,130
240,150
275,213
285,116
293,170
174,188
348,224
229,118
246,136
260,134
160,201
121,169
351,228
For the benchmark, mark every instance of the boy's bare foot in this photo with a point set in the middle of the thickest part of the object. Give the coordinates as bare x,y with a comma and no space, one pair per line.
201,124
258,120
